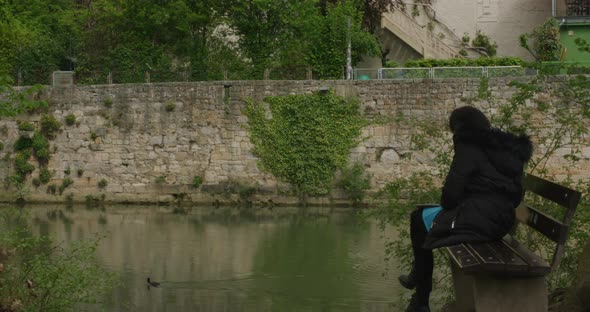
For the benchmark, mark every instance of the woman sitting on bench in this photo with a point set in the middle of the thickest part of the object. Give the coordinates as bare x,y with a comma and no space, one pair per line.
479,196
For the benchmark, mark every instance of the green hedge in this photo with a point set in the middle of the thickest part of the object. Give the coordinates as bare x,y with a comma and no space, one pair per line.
457,62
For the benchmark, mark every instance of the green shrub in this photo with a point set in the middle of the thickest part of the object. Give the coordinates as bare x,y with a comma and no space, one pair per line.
355,182
63,278
67,181
457,62
22,143
465,38
36,182
80,172
108,102
93,135
51,189
102,183
25,126
246,191
44,175
544,43
392,64
170,106
49,126
484,42
40,146
94,201
160,180
197,181
68,171
70,119
21,164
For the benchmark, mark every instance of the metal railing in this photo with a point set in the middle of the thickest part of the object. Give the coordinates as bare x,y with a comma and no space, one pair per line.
442,72
565,68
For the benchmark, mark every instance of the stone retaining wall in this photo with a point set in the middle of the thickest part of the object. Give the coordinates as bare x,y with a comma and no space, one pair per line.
147,153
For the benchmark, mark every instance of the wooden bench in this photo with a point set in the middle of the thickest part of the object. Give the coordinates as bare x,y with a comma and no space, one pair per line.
504,275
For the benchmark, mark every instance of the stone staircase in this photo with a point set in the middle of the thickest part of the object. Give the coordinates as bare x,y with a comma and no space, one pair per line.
415,36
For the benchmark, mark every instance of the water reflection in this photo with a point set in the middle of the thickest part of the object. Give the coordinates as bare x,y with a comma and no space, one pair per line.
312,259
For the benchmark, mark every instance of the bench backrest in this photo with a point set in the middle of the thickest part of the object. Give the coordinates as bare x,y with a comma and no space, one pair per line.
548,226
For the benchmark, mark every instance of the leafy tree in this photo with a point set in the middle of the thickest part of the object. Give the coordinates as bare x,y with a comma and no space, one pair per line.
180,39
544,43
37,40
328,56
484,43
14,102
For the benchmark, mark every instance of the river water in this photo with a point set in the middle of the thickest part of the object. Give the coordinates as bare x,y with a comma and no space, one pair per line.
229,259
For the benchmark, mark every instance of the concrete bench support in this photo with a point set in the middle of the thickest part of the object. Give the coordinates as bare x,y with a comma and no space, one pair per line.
488,293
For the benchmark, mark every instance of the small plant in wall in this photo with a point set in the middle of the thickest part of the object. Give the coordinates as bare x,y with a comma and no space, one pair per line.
51,189
170,106
80,172
430,26
70,119
44,175
160,180
484,44
197,181
25,126
40,146
102,183
65,183
49,126
93,135
108,102
466,38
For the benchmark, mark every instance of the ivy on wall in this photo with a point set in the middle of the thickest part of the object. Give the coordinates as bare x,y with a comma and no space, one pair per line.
307,138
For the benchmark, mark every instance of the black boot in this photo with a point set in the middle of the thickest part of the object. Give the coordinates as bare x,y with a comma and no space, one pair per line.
417,304
408,281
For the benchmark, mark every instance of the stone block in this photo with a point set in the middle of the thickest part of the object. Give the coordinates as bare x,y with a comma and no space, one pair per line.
181,156
389,156
96,147
156,140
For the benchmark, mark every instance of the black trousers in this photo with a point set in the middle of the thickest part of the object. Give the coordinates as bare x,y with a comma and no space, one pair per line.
423,259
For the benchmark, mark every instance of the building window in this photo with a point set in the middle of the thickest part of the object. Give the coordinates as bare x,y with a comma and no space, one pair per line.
578,7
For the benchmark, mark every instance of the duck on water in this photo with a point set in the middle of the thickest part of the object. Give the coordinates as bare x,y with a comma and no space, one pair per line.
152,284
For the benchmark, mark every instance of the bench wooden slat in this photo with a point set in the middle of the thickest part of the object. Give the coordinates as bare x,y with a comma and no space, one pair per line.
463,257
537,265
489,260
499,257
513,263
554,192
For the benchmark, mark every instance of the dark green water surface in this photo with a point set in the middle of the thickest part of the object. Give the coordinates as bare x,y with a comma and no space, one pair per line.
229,259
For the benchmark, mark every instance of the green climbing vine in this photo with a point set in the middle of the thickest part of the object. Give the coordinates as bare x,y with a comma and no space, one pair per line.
307,139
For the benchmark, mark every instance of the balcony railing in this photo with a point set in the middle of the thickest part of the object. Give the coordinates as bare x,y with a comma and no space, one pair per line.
578,8
571,11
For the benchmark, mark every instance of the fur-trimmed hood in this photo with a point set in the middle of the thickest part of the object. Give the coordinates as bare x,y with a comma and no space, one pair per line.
508,152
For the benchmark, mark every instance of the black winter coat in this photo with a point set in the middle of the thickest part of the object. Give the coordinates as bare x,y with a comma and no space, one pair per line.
482,189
